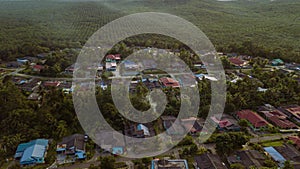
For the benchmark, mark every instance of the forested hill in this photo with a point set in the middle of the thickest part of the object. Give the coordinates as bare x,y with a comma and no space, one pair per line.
30,27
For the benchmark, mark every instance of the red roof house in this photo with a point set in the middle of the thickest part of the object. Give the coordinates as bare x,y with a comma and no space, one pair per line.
37,68
279,119
256,120
295,140
51,84
236,61
113,57
169,82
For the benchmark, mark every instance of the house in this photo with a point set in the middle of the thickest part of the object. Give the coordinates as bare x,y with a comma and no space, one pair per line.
49,84
169,82
209,161
169,164
205,76
30,85
151,84
110,141
187,80
37,68
72,145
141,131
276,156
279,119
42,55
172,126
237,61
295,140
32,153
193,125
22,60
34,96
225,124
290,153
70,69
111,66
247,158
277,62
293,112
113,58
257,122
13,64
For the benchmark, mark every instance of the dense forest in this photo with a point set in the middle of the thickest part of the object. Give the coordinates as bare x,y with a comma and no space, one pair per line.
31,27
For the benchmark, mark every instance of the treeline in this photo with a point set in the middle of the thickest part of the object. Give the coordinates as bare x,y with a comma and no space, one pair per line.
23,120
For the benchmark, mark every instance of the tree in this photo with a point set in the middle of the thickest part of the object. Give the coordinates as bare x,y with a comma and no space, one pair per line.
107,162
237,166
228,142
243,123
288,165
269,163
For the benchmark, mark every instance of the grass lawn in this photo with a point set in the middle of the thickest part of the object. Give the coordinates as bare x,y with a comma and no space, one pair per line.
273,143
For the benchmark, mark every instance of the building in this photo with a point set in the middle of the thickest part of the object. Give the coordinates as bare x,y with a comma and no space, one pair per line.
32,153
169,82
72,145
193,125
279,119
290,153
292,111
37,68
29,85
247,158
172,126
138,131
225,124
205,76
277,62
111,66
111,141
209,161
113,58
34,96
296,141
237,61
276,156
49,84
169,164
257,122
70,69
22,60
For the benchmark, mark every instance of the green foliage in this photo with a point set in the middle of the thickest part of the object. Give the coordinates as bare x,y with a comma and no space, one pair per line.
228,142
269,163
107,162
237,166
288,165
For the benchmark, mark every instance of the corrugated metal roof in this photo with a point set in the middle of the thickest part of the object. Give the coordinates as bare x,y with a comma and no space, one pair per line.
32,153
275,154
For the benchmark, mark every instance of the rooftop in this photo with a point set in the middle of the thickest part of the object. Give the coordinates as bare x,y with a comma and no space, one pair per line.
209,161
169,164
256,120
169,82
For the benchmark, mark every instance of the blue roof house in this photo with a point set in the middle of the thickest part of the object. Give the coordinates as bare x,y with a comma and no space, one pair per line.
32,152
144,129
275,155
